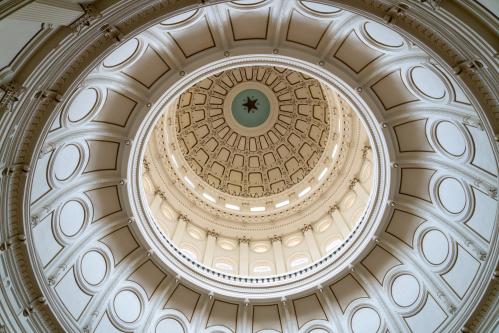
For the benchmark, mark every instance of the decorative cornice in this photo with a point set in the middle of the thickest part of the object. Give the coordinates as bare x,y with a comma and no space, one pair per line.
485,315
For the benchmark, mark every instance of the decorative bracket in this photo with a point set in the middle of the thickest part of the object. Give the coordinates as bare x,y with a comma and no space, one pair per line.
49,94
112,32
434,4
91,14
467,65
395,11
12,90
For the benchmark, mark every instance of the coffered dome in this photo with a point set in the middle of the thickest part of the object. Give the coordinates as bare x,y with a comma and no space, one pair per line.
253,150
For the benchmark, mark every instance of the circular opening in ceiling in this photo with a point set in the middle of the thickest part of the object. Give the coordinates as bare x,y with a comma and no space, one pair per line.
312,135
250,108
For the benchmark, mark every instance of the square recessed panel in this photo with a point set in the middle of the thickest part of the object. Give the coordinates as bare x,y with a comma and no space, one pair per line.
252,24
356,54
305,30
148,68
194,39
392,92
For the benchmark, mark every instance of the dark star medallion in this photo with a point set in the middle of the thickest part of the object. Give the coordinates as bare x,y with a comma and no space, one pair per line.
250,104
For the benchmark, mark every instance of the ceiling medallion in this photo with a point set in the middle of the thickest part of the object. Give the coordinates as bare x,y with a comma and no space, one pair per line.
250,108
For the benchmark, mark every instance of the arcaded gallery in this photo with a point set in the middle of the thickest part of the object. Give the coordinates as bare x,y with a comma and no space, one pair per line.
249,166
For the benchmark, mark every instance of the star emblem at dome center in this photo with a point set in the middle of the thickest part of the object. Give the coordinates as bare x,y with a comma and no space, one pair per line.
251,104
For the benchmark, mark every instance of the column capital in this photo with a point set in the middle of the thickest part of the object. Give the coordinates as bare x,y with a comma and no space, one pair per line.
244,240
162,195
146,164
334,208
212,233
275,238
184,218
365,151
307,227
353,182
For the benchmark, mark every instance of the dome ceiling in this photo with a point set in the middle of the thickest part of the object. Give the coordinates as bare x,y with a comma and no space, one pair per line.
239,156
246,184
399,234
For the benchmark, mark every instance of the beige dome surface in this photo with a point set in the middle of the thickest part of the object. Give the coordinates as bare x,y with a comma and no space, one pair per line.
261,161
